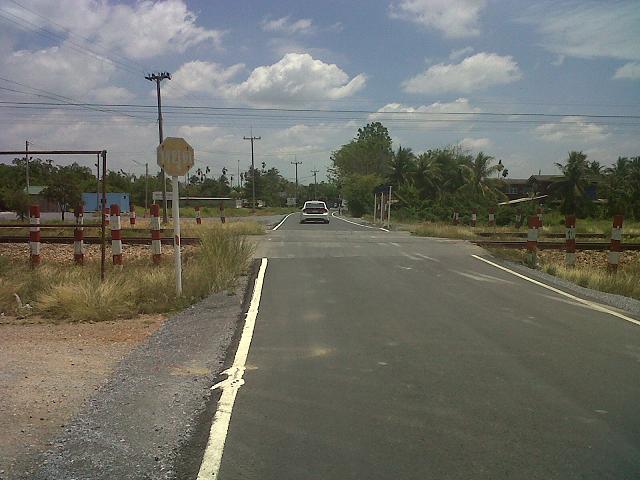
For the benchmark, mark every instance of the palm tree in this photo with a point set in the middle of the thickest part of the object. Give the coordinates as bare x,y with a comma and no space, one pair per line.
478,175
571,188
403,164
427,176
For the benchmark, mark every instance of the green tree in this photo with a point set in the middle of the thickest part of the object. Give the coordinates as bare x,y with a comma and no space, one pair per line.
571,188
403,166
16,201
369,153
66,185
358,191
479,181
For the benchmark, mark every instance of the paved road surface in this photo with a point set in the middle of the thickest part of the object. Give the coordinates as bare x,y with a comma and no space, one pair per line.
382,356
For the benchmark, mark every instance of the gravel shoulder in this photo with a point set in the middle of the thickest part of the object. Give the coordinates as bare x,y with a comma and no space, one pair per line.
48,372
139,423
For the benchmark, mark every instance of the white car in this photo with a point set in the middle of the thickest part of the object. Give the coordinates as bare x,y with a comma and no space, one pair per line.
314,212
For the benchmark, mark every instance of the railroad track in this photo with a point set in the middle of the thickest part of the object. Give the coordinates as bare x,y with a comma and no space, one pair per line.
97,240
553,245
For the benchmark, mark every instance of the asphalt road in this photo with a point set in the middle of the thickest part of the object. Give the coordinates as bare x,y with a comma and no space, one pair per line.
377,355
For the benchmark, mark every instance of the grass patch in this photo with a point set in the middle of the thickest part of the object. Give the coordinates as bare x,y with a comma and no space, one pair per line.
190,212
71,293
590,270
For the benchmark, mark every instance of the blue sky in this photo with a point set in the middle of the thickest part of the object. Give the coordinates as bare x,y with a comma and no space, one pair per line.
419,59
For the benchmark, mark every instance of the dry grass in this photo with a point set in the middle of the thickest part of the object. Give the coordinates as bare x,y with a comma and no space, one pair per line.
61,291
447,230
590,270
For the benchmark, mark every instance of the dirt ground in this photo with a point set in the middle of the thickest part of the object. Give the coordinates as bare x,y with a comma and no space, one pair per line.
48,371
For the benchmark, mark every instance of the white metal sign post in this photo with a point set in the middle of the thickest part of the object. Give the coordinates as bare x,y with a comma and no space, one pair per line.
176,156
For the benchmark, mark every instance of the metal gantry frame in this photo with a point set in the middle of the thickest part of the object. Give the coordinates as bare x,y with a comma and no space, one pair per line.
99,153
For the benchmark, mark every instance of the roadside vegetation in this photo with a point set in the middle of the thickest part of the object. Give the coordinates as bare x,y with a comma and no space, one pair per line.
64,292
590,270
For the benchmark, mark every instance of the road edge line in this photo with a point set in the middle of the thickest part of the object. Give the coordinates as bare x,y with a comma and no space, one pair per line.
212,458
359,224
282,221
594,305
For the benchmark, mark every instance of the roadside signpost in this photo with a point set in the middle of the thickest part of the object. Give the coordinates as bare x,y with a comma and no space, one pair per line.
176,157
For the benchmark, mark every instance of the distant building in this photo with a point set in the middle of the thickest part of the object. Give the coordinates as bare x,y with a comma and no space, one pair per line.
37,198
91,201
515,188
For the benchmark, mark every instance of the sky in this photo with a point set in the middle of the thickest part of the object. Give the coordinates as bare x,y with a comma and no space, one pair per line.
523,81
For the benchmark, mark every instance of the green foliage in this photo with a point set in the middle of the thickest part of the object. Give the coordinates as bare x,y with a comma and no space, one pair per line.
16,201
65,186
570,190
369,153
358,191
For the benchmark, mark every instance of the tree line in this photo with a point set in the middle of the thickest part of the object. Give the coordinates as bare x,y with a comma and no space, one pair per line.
64,184
431,184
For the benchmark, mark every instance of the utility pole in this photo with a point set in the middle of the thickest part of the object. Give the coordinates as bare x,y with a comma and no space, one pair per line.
296,163
98,187
239,173
158,77
315,184
26,157
253,172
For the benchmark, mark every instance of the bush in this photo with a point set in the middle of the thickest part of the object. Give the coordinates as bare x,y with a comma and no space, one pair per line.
358,191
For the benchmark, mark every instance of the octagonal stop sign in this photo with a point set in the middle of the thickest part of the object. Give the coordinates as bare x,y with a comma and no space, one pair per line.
175,155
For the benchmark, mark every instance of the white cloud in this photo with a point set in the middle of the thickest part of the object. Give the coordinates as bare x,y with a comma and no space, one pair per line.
420,116
589,29
287,26
572,129
297,77
629,71
477,72
454,18
476,144
58,69
113,95
200,77
142,30
461,52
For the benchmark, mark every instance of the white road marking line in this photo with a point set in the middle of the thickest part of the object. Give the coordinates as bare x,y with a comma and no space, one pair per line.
359,224
395,244
282,221
593,305
219,427
427,257
408,255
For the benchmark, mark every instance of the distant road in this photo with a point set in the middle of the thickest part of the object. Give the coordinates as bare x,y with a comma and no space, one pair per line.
383,356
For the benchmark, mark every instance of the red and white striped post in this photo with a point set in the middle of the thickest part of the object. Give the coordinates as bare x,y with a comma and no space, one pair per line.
78,236
105,212
116,235
532,240
198,217
474,217
132,216
156,245
570,240
518,220
456,217
613,258
492,217
34,234
539,213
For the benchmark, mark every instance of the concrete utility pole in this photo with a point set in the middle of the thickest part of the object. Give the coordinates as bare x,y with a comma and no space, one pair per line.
158,77
98,186
253,172
239,174
315,184
296,163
